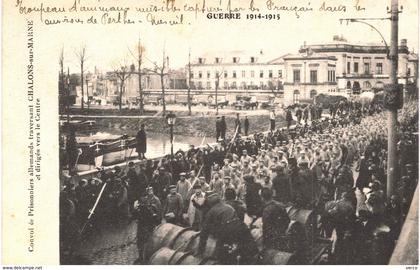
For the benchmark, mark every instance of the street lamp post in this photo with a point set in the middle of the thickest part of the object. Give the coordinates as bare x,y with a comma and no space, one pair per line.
393,110
392,99
170,119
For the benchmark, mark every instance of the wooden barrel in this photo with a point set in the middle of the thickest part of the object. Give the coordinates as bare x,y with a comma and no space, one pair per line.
210,250
163,236
162,256
177,238
168,256
276,257
189,260
185,240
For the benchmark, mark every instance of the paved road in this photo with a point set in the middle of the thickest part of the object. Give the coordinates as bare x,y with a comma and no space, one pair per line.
111,244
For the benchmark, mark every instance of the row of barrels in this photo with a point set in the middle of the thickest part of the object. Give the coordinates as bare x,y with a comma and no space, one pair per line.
171,244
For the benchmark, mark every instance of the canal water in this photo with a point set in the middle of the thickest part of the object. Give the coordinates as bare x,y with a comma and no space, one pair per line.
158,144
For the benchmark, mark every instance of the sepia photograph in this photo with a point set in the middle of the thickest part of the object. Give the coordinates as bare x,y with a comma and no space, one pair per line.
220,132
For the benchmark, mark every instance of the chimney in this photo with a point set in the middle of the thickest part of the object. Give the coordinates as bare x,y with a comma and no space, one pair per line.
261,52
403,42
336,38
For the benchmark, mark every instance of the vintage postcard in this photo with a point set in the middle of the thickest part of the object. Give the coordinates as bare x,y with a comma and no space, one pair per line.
210,132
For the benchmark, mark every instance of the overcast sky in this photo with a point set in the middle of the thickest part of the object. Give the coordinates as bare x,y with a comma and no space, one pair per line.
108,45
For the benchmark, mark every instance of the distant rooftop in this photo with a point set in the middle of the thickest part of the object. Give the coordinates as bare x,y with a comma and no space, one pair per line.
340,44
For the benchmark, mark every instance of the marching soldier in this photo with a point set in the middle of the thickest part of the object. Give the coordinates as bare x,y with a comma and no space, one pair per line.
246,125
298,114
174,206
230,198
223,128
289,118
306,114
275,221
160,183
272,120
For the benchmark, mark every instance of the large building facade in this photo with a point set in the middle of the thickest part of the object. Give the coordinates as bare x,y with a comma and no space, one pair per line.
236,70
341,68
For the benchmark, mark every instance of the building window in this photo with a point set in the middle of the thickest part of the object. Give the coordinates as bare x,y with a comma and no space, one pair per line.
234,74
200,85
270,74
296,96
243,73
408,72
261,85
225,74
252,74
208,75
226,85
367,85
312,94
243,85
192,75
208,85
378,68
331,75
261,73
234,85
367,68
356,68
348,68
217,60
200,74
217,75
356,88
296,76
200,60
314,76
252,59
280,73
235,60
348,85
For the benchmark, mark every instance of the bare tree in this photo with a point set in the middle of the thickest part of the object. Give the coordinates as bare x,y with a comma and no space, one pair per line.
81,55
161,72
140,49
122,73
189,82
